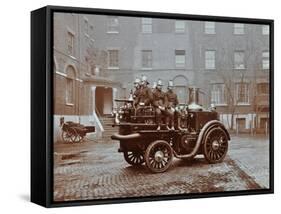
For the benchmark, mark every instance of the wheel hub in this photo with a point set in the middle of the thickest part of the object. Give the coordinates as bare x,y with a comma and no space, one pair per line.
215,145
158,156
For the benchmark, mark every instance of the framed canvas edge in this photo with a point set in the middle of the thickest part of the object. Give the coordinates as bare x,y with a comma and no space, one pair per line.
49,105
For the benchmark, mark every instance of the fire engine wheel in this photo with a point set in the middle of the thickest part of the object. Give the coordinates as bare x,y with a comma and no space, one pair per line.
134,158
215,146
158,156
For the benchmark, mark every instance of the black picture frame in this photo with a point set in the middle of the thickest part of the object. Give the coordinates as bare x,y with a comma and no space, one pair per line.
42,104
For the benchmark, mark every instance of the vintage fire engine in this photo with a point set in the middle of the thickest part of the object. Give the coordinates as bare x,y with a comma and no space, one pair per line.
200,132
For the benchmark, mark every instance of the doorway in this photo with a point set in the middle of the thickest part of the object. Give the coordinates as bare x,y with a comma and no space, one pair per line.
103,100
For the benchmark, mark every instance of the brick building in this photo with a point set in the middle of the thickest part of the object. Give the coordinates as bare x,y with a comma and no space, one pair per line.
97,58
81,93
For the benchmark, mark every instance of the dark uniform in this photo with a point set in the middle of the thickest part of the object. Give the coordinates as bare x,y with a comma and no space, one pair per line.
143,95
171,100
136,93
159,100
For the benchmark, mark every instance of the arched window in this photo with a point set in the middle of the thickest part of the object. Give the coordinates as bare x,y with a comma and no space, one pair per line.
70,85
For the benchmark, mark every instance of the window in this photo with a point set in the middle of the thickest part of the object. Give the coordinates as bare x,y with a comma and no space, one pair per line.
113,58
265,60
69,90
70,43
242,93
239,62
263,88
113,24
180,58
210,59
238,29
240,123
265,30
218,93
146,59
146,25
86,26
210,28
264,123
179,26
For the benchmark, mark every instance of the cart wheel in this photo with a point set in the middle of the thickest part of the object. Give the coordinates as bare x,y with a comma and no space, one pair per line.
66,136
74,135
134,158
158,156
215,145
79,138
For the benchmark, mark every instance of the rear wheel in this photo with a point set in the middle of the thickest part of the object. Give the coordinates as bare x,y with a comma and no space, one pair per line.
158,156
215,146
134,158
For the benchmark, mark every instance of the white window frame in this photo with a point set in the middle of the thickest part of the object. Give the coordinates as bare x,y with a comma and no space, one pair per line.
246,92
146,25
109,59
242,65
265,60
113,24
210,60
179,26
265,30
177,59
238,29
210,28
218,95
69,98
70,43
144,58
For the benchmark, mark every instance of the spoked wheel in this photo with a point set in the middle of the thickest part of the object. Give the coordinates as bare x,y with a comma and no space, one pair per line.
75,136
158,156
215,145
134,158
79,138
66,136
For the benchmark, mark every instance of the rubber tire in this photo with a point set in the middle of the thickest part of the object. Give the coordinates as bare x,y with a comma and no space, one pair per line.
150,149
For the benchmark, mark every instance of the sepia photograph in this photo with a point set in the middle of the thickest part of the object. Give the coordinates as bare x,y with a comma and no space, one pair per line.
149,107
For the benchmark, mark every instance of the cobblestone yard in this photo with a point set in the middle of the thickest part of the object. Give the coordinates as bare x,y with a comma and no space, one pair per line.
92,170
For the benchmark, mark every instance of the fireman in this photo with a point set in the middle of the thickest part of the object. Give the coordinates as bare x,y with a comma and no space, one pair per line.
144,95
154,86
171,100
137,88
159,103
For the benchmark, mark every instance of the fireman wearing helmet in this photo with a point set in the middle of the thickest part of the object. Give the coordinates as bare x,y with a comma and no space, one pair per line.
137,85
159,102
144,95
171,103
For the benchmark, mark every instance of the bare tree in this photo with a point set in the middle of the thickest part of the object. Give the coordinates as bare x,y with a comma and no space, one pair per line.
96,59
235,75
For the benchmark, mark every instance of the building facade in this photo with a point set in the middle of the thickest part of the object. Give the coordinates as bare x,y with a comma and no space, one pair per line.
98,57
81,92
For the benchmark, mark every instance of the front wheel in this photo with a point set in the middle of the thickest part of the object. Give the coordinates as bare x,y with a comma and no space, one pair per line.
158,156
215,146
